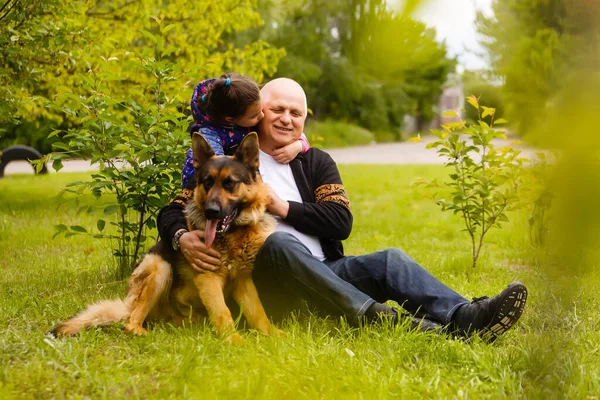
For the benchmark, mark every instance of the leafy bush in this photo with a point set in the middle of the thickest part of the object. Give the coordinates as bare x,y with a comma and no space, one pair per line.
331,134
386,136
138,139
484,189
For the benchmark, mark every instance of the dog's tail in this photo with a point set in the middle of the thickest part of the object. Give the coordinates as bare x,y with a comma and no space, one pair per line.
98,314
149,284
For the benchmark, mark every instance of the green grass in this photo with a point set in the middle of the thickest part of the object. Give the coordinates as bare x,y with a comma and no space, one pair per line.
551,353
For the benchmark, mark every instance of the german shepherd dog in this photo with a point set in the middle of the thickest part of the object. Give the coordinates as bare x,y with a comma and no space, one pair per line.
229,204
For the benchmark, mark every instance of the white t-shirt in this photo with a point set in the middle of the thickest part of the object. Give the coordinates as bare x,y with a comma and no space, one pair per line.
280,178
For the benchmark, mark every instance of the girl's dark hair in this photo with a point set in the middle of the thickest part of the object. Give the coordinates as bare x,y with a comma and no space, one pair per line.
222,100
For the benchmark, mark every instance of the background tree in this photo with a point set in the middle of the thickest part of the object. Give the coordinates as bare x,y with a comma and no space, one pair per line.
112,85
537,47
341,52
36,39
46,45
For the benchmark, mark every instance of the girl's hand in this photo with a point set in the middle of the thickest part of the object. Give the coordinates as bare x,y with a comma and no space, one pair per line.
288,152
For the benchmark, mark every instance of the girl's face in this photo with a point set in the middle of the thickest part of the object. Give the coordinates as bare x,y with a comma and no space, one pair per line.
253,115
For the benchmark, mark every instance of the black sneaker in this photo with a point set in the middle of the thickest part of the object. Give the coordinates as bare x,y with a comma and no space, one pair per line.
425,325
490,318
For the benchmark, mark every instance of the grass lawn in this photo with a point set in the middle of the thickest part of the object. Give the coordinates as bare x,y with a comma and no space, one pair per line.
552,353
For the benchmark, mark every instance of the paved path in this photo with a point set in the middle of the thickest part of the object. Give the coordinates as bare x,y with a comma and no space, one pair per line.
384,153
23,167
403,153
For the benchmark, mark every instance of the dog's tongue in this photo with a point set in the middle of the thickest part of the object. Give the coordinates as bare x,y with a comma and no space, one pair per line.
210,231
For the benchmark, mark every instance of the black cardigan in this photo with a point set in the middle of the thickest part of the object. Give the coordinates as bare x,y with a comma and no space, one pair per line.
324,211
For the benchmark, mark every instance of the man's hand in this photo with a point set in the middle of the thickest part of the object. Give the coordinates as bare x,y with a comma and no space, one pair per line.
288,152
197,254
277,206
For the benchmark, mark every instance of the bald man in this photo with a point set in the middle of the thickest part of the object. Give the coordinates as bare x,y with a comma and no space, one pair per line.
304,258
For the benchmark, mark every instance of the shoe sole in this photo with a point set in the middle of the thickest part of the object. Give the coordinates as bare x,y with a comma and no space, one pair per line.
509,311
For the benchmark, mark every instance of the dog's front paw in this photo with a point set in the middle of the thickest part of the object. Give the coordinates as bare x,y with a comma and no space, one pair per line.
277,332
136,329
235,338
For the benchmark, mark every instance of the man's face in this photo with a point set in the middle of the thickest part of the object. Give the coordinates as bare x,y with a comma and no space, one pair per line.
285,113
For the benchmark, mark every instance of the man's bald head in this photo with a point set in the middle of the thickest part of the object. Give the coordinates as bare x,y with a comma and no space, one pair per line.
284,107
284,85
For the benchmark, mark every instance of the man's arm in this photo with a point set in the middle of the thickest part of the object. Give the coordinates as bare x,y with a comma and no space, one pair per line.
171,218
330,216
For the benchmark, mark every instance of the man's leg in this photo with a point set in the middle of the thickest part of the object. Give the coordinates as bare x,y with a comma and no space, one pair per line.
392,275
284,265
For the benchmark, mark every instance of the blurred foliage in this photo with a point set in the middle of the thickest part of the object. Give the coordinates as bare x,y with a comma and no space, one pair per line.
548,54
538,48
46,45
540,197
341,53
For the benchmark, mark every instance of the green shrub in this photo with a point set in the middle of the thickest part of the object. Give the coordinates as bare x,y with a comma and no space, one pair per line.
331,134
486,187
386,136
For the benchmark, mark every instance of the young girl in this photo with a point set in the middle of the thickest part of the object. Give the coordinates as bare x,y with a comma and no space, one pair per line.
225,110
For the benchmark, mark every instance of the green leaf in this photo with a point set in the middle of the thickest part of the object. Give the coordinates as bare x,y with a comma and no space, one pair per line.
500,121
100,224
456,125
487,111
61,228
149,35
415,139
57,164
111,209
78,228
60,146
167,28
168,51
449,114
472,100
54,133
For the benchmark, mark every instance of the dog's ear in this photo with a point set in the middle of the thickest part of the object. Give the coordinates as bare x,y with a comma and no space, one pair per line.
247,151
201,150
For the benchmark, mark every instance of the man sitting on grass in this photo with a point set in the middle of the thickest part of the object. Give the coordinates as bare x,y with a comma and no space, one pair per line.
305,256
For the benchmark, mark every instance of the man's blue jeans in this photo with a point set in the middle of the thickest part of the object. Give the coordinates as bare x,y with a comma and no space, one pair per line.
285,270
